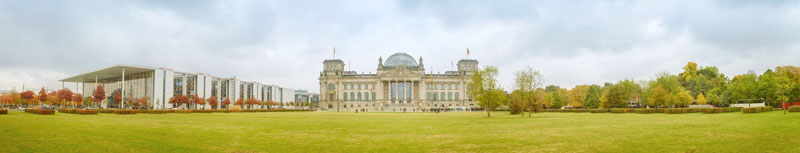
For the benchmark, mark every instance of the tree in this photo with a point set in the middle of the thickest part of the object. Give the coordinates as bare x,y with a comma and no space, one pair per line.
78,99
683,98
27,95
592,96
768,88
744,86
200,101
117,98
701,100
614,97
251,102
516,104
240,102
193,101
64,95
657,97
484,88
226,102
525,82
99,94
141,102
213,102
577,95
42,95
554,100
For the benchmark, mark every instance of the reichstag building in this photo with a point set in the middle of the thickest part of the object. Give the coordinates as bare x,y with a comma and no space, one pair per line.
400,84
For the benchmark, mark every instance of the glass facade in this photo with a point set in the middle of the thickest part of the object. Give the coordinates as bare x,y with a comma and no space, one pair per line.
137,85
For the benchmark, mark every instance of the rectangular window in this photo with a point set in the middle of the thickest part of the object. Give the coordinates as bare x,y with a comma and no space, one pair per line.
409,92
359,86
456,86
401,88
392,85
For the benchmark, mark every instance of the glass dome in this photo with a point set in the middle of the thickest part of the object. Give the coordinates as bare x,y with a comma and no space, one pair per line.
400,59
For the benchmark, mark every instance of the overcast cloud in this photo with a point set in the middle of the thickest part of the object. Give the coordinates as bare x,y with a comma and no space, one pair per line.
285,42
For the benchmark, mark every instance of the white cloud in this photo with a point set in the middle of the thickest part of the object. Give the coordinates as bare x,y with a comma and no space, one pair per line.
284,42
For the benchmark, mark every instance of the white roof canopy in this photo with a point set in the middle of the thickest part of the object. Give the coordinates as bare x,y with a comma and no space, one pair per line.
111,72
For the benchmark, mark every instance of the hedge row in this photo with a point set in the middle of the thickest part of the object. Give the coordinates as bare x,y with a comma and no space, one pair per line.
653,110
721,110
125,111
757,109
3,111
41,111
79,111
795,108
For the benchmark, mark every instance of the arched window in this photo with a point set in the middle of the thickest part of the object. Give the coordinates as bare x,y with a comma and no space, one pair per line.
373,96
345,96
331,86
428,96
359,96
366,96
435,96
449,96
352,96
443,96
456,95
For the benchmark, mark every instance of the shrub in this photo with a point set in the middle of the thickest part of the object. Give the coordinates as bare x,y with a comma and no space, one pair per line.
713,110
757,109
646,111
695,110
795,108
733,109
203,111
183,111
106,111
125,111
158,111
3,111
86,111
599,111
41,111
676,111
622,110
66,110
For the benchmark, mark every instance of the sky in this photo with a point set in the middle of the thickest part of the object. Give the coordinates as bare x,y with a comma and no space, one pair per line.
284,42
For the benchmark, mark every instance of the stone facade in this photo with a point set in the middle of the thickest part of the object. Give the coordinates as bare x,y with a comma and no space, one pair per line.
400,84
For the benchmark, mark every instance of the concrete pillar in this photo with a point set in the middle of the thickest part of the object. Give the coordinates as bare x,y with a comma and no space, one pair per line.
122,104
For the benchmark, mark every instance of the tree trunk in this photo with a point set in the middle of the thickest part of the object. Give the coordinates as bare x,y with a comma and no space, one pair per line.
488,113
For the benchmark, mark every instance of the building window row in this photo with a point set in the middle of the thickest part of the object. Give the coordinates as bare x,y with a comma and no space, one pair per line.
442,96
355,86
443,86
358,96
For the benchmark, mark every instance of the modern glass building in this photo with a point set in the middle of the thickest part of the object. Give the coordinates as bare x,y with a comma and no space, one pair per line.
158,85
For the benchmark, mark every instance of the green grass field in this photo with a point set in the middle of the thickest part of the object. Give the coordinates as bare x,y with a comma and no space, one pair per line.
400,132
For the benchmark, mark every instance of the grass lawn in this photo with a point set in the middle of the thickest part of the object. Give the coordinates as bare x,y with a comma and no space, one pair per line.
400,132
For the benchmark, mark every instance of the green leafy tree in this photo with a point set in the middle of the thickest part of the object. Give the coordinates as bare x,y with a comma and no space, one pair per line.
592,97
577,95
526,81
657,97
701,99
768,88
614,97
483,87
744,86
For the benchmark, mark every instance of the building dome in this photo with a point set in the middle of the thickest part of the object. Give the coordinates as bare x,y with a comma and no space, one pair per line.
400,59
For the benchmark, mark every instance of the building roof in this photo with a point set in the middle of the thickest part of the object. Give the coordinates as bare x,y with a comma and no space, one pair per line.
400,59
111,72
